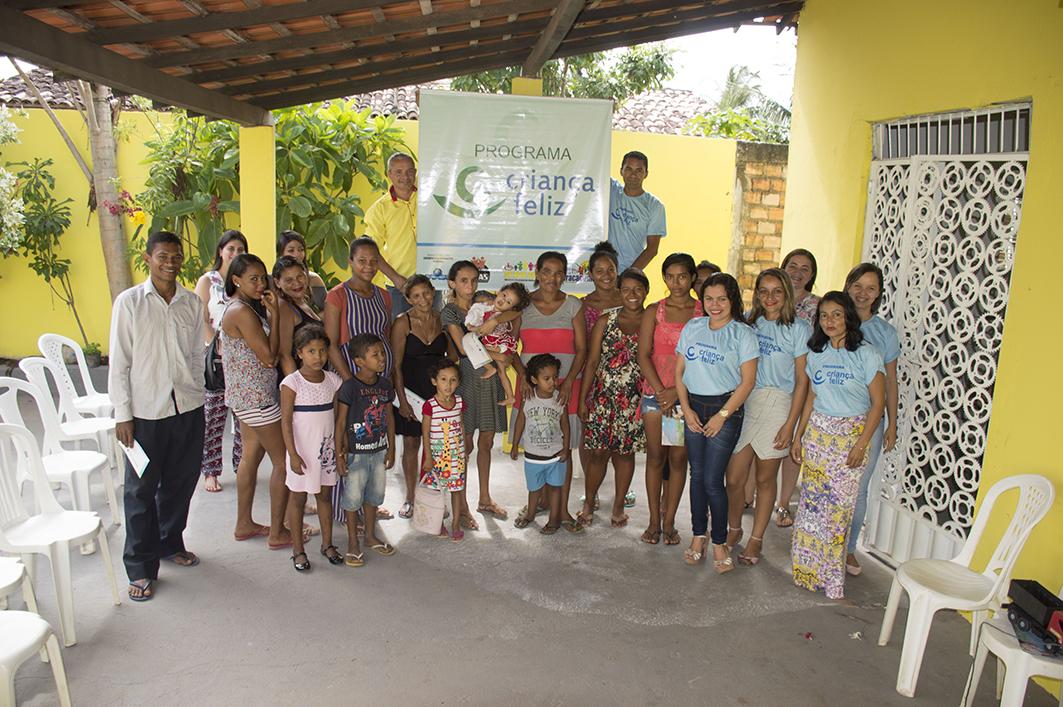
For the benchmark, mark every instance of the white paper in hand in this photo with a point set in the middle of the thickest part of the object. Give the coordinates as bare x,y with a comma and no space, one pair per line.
138,458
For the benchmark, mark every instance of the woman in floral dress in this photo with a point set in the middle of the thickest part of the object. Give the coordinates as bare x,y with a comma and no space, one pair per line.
609,400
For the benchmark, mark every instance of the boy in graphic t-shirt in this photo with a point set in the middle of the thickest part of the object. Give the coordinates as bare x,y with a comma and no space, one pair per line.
365,443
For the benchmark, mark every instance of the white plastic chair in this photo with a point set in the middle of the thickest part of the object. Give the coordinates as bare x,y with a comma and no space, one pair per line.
933,585
92,402
13,576
23,634
52,531
62,466
1015,666
73,424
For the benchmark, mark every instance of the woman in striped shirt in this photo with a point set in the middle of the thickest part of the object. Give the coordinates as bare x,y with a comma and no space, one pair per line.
354,307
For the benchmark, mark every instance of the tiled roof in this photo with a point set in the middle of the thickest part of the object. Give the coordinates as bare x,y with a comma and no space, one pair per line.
663,111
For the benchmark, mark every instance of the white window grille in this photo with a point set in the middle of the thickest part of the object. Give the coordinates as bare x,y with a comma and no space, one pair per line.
944,204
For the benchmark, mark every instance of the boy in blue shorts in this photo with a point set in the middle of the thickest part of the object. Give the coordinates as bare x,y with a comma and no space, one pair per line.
546,443
365,443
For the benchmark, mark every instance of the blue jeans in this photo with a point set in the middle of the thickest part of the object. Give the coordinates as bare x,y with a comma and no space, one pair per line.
874,451
708,466
366,480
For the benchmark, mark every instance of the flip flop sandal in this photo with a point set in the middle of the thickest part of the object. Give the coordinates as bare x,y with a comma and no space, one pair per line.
406,511
208,489
352,560
522,522
620,522
383,514
457,536
147,591
334,558
260,533
183,559
279,546
493,509
384,549
651,537
671,537
572,526
301,566
585,521
548,529
468,523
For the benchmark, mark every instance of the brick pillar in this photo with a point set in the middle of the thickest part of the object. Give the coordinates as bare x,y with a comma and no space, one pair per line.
760,189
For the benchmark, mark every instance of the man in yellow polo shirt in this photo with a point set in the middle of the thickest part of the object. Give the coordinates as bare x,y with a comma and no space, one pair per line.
392,222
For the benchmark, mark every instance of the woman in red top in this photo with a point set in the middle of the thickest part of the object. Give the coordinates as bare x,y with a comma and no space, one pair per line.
661,324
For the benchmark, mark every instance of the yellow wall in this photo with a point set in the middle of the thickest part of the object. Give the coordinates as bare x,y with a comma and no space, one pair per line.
28,307
853,68
694,177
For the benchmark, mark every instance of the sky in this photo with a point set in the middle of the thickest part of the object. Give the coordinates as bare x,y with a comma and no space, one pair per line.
702,60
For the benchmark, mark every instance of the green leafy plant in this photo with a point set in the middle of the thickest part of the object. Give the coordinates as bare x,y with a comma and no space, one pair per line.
743,112
192,184
46,220
738,124
321,150
91,349
615,75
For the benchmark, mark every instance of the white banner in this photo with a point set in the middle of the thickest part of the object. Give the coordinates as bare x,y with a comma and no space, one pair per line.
504,178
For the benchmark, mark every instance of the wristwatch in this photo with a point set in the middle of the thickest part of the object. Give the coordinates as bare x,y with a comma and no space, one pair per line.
724,413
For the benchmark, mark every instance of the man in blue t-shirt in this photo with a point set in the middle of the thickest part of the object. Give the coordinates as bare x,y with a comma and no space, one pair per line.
636,217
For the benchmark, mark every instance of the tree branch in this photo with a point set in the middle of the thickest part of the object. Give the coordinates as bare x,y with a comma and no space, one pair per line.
55,120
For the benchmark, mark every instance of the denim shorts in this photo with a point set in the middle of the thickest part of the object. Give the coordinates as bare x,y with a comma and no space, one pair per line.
650,404
366,480
549,472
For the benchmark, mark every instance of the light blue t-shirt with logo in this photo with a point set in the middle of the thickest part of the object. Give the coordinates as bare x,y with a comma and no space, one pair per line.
631,219
883,336
840,378
780,344
714,358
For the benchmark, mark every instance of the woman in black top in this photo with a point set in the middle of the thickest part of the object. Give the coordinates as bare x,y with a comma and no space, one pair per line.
418,342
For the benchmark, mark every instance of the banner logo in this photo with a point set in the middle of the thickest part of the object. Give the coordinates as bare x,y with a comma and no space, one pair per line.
464,193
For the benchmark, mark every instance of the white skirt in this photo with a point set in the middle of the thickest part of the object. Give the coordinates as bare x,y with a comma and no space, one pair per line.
765,411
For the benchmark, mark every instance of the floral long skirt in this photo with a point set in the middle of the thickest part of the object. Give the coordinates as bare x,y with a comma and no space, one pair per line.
828,498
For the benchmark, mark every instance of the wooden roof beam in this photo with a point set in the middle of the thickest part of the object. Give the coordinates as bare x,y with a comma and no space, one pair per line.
391,80
363,52
370,70
221,21
555,32
29,39
595,43
365,31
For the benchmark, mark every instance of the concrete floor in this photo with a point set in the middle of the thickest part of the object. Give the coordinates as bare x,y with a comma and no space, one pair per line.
506,616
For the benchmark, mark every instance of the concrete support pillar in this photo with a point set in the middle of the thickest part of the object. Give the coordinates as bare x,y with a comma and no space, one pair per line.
258,191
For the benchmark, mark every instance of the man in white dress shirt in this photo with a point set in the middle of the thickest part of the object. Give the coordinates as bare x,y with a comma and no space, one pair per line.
156,384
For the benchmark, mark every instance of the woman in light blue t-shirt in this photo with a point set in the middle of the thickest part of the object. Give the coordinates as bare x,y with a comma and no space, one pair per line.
864,284
715,371
773,408
844,406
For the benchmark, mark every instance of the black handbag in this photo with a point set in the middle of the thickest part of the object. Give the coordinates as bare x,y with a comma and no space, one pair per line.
213,373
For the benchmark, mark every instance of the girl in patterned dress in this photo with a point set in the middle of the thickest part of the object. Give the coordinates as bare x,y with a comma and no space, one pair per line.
842,411
609,400
308,425
443,440
801,266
